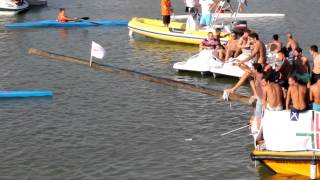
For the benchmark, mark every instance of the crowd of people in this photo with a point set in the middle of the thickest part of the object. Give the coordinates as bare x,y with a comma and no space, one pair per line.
285,80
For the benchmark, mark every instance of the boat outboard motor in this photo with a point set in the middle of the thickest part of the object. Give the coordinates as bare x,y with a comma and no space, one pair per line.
239,26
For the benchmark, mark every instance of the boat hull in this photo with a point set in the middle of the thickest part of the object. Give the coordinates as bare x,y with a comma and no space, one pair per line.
176,32
287,163
54,23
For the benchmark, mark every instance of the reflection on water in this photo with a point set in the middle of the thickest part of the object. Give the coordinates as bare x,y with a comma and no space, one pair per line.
165,51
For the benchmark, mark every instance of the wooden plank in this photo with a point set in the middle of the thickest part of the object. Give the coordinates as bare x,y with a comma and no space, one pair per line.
139,75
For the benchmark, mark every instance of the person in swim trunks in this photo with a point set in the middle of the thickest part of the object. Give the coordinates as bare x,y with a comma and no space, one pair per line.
205,19
272,98
276,42
292,44
243,43
63,18
316,63
315,95
296,94
301,66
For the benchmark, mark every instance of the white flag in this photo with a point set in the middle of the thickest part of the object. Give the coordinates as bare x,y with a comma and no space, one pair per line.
97,50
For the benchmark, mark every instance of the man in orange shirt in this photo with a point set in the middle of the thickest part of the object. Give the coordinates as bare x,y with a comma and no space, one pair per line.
166,11
63,18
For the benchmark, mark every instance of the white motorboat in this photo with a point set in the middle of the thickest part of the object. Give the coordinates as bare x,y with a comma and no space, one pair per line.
206,61
10,7
230,67
200,62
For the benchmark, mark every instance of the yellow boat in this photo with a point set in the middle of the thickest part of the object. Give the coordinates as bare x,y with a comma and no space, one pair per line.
176,31
288,163
289,143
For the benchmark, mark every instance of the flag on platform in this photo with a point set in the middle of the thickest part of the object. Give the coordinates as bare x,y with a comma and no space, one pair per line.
287,131
97,50
294,116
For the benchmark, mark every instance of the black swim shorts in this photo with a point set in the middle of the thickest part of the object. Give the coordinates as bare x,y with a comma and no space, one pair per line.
166,19
314,77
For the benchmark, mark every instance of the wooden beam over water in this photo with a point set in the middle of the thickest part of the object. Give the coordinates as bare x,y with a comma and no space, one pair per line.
139,75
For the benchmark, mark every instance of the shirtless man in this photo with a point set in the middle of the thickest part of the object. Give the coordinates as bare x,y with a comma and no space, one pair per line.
272,98
296,94
259,51
243,43
315,95
301,66
316,63
291,45
220,52
232,46
276,42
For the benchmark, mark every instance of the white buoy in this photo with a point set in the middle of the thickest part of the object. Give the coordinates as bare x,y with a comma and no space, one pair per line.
313,168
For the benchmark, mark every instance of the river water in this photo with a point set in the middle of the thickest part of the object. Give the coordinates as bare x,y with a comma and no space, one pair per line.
107,126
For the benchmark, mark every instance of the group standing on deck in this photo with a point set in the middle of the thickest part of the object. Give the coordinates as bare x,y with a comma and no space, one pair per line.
285,81
193,6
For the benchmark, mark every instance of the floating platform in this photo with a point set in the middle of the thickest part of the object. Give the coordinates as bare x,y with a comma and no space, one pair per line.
24,94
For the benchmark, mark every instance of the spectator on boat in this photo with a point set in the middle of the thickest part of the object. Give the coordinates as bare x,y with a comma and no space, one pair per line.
205,19
218,33
258,85
316,63
211,42
272,99
244,44
191,6
166,12
315,95
232,46
297,95
276,42
292,44
258,52
283,69
301,66
63,18
220,52
220,6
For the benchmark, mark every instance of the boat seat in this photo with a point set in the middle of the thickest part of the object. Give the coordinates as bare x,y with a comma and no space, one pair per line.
177,30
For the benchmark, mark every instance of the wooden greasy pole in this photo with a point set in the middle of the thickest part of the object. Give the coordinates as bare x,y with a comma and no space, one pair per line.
139,75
